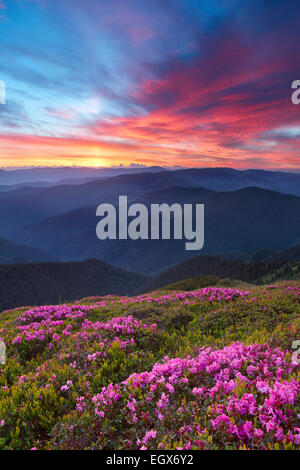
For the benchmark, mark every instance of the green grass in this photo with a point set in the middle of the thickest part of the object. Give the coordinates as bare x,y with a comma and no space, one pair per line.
37,413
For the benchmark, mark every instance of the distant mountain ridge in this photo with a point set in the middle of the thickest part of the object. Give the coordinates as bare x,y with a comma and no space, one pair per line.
27,205
229,179
245,211
254,272
219,179
51,283
266,256
30,204
13,253
56,282
245,220
54,174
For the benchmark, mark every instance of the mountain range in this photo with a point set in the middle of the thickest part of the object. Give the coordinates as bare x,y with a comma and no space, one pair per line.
219,179
52,283
253,272
246,212
241,221
12,253
55,175
28,204
56,282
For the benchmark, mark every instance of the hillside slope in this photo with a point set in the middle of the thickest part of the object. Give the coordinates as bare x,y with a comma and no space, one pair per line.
218,179
229,179
252,272
13,253
291,254
30,205
241,221
42,283
210,369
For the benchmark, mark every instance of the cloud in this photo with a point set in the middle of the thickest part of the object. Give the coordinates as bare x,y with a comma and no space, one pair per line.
170,82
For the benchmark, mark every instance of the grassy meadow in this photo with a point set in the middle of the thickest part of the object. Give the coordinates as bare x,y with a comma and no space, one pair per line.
199,369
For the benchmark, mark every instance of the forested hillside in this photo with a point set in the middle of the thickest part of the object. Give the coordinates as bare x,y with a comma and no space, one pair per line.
207,369
42,283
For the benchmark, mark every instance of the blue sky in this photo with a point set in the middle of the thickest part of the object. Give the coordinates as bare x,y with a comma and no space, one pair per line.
153,82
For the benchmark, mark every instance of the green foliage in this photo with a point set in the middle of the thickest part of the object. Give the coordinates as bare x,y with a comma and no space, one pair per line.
194,283
35,409
55,282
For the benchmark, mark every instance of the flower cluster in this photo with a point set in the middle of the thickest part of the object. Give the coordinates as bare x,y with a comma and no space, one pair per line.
127,373
118,325
248,393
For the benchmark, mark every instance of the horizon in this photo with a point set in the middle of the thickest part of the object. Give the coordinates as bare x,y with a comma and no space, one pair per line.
146,167
104,84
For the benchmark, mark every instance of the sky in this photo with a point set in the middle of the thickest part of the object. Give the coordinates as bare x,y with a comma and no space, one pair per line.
151,82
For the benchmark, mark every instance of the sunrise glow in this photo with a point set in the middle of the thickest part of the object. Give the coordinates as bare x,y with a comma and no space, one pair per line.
188,83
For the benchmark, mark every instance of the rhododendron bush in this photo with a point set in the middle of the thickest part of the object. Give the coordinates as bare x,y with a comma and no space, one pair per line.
211,369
